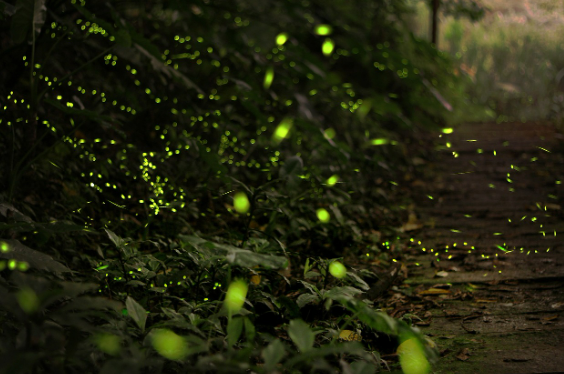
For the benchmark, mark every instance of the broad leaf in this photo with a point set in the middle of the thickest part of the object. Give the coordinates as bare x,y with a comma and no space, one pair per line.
273,354
136,311
118,242
35,259
30,16
306,298
342,293
292,166
234,330
301,335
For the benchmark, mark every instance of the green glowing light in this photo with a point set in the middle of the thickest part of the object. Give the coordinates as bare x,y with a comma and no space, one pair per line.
379,141
337,269
500,247
327,47
235,297
108,343
23,266
323,215
241,202
169,345
268,78
283,130
447,130
330,133
332,180
281,38
4,247
323,30
28,300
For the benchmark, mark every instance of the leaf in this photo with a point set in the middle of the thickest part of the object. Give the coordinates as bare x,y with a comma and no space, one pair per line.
342,293
292,166
123,38
435,291
249,259
89,303
301,335
9,209
6,9
273,354
30,15
250,330
306,298
234,330
353,348
35,259
118,242
359,281
363,367
349,336
212,160
136,312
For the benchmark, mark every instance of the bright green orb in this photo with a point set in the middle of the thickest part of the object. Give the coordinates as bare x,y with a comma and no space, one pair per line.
412,357
323,215
169,345
337,269
236,294
241,202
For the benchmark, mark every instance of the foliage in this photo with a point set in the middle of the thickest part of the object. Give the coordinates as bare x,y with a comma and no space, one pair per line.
512,59
183,160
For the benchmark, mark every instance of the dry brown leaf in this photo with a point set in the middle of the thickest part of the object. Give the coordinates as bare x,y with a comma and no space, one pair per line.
434,291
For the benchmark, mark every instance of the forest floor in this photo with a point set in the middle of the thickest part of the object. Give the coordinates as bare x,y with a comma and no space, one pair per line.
485,274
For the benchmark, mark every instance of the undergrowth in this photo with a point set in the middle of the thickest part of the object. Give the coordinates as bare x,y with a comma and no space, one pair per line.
208,186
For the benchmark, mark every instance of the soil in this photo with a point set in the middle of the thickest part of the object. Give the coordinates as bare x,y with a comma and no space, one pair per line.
485,278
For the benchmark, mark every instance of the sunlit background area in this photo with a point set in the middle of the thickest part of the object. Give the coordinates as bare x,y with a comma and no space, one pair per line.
513,57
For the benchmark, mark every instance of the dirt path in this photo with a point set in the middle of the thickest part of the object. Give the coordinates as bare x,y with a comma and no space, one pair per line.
491,278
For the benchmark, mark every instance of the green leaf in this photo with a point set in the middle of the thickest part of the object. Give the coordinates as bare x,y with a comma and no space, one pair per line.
250,330
363,367
123,38
136,312
273,354
234,330
29,16
118,242
359,281
353,348
249,259
301,335
306,298
35,259
292,166
236,256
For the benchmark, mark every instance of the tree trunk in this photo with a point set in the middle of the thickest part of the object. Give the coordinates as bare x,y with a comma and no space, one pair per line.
435,4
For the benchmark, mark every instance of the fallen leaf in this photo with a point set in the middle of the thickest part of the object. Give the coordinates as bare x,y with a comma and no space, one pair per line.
349,336
434,291
411,224
255,279
485,300
441,274
463,354
516,359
